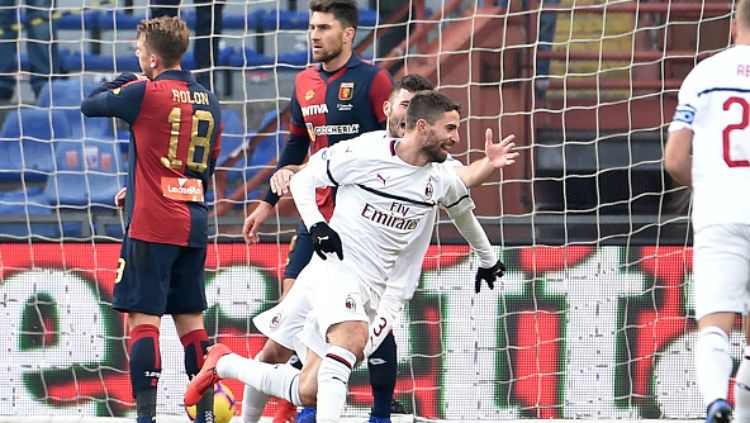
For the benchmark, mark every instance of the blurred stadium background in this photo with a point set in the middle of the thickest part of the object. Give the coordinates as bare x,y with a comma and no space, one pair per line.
594,318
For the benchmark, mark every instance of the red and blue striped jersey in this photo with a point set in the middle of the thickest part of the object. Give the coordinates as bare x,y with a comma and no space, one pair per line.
175,137
328,107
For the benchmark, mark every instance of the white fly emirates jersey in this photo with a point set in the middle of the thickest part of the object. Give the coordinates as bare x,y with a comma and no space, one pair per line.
383,204
404,279
714,102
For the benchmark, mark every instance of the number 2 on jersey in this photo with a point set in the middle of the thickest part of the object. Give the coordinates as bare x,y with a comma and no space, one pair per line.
202,141
735,126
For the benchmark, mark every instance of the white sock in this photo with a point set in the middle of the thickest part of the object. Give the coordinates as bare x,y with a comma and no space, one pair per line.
253,401
278,380
742,390
253,404
333,380
713,364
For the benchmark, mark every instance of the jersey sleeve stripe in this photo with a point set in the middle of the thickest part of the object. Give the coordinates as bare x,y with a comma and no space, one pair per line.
457,202
328,172
730,89
396,197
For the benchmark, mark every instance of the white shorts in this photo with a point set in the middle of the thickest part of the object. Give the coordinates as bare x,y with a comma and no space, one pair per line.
721,269
336,296
283,323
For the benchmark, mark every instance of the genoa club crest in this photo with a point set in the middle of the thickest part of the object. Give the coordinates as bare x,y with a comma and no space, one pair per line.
346,91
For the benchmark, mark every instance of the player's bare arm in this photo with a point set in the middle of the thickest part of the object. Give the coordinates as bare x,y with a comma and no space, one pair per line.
120,198
677,159
252,224
497,156
294,153
279,186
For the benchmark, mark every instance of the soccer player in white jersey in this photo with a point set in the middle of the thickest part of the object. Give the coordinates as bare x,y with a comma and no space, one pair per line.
282,323
712,117
386,189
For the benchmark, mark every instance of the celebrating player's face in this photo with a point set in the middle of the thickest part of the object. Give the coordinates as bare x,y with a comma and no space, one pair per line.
144,57
326,37
397,116
442,136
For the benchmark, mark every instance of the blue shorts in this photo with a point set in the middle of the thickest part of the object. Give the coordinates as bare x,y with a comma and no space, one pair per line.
300,253
160,279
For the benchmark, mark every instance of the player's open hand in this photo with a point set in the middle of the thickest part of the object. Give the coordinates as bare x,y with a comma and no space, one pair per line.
251,227
120,198
280,181
325,240
489,275
500,154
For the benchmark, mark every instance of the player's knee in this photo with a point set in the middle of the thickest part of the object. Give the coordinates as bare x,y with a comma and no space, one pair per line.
274,353
723,321
135,319
351,336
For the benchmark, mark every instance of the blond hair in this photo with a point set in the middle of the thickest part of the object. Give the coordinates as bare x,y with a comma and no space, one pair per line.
167,36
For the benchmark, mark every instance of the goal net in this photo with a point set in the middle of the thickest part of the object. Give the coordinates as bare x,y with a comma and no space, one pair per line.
594,318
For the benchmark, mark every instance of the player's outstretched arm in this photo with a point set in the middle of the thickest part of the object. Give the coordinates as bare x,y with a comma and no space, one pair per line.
497,155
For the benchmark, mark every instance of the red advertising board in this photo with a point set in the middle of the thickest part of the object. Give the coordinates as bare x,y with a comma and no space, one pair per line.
570,332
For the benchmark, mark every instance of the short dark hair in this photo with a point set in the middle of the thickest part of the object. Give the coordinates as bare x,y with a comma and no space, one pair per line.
167,36
344,11
412,83
430,106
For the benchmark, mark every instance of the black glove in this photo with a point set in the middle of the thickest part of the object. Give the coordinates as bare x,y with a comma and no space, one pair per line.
488,274
325,240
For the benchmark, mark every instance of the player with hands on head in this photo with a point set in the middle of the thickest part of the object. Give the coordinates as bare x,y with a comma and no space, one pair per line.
711,120
175,137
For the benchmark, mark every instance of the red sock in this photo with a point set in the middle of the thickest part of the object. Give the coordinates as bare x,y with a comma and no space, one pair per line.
196,346
145,358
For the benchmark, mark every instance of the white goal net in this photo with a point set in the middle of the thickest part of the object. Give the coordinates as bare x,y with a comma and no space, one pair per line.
593,320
